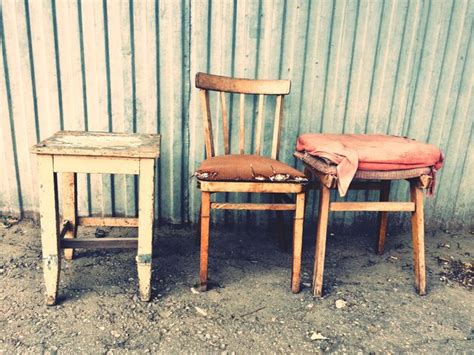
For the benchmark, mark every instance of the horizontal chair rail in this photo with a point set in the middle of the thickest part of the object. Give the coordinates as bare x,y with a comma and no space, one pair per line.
254,206
108,221
98,243
372,206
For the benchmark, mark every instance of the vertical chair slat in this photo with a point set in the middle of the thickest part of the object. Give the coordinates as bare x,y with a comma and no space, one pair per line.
225,127
277,127
206,112
242,125
260,116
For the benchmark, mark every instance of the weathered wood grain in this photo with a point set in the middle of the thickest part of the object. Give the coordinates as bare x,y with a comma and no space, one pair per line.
126,145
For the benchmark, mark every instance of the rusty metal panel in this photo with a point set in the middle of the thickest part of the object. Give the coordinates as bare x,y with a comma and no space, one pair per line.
396,67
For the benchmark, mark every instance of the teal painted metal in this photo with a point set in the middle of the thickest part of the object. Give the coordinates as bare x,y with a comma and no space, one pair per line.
396,67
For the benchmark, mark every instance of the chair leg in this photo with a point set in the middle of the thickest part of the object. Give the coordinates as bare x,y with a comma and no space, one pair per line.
418,236
205,221
49,227
146,216
383,216
321,240
69,205
297,242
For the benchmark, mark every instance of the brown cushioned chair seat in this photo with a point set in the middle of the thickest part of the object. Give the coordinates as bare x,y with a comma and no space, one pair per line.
328,168
243,167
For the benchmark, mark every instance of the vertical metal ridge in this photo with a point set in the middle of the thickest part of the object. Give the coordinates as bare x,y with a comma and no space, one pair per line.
397,72
15,204
328,61
417,73
83,66
57,64
158,204
186,79
32,69
376,58
443,60
349,82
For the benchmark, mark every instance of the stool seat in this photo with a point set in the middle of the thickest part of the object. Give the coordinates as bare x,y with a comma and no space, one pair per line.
131,145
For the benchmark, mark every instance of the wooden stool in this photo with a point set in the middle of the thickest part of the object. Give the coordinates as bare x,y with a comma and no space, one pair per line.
69,153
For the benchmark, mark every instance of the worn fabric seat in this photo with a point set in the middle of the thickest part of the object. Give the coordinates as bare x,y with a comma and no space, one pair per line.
248,168
367,156
328,170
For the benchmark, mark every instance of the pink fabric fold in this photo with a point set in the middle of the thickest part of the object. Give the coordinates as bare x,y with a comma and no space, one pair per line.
371,152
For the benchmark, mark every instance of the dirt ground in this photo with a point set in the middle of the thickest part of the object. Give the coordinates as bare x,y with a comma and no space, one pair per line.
370,304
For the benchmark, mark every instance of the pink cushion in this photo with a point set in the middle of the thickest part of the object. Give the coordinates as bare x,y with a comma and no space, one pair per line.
351,152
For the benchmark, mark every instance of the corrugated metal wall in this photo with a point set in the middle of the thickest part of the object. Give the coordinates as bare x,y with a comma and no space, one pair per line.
399,67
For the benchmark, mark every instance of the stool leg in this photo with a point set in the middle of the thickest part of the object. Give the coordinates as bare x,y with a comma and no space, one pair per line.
321,241
297,243
383,216
69,205
146,216
418,236
205,216
49,226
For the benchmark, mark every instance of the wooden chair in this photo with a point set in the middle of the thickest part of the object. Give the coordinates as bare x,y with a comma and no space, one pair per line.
326,175
284,181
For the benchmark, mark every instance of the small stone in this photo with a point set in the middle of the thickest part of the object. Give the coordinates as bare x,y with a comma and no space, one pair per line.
193,290
341,304
318,336
201,311
115,334
306,284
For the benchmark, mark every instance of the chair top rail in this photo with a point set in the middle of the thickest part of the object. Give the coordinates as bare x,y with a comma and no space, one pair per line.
242,86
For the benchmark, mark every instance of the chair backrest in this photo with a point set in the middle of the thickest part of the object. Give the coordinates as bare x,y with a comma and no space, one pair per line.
262,88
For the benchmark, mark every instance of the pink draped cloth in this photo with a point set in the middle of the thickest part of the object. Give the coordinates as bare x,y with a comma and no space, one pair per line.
352,152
